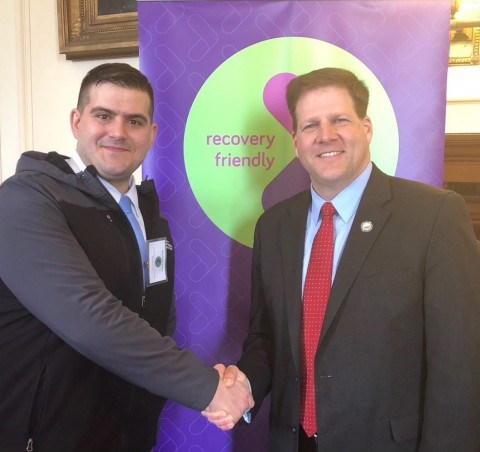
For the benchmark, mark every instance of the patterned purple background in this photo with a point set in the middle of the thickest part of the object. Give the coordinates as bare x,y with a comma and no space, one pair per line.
403,42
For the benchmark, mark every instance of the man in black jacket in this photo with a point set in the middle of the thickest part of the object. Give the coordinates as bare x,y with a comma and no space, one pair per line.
85,349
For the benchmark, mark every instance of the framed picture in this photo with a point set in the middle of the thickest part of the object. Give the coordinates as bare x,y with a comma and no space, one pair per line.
464,46
89,29
464,32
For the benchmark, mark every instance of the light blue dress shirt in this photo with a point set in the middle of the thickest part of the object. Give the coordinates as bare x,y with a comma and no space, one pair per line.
78,166
346,204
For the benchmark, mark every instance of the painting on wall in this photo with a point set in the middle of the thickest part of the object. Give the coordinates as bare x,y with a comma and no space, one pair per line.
464,32
464,45
89,29
106,7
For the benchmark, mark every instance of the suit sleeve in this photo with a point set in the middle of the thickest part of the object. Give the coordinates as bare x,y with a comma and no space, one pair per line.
48,272
256,361
452,333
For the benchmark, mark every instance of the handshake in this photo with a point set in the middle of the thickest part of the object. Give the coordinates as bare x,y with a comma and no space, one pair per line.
231,400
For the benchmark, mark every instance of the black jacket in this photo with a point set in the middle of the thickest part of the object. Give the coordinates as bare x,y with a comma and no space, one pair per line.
84,367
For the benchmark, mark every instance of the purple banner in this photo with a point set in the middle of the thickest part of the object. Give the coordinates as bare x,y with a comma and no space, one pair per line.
224,154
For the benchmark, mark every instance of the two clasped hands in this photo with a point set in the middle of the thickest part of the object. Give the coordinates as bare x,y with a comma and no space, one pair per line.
232,399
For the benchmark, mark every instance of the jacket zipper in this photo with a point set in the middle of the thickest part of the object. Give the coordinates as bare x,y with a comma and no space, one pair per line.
36,408
142,300
29,445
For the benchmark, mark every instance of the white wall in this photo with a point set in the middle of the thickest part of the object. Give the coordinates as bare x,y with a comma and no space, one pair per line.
463,99
38,86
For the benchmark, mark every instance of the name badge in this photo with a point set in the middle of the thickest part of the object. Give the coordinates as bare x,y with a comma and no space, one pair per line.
157,260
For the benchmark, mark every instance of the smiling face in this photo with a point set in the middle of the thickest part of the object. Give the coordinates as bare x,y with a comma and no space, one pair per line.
331,141
114,131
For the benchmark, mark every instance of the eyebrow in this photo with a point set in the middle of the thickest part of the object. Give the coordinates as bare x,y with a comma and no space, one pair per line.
100,109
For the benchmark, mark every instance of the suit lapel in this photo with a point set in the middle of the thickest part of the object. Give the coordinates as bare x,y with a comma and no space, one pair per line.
293,241
359,243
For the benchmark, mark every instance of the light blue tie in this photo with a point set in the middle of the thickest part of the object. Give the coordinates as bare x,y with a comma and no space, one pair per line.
126,205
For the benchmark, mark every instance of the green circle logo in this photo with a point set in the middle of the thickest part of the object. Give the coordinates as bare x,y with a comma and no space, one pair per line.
237,136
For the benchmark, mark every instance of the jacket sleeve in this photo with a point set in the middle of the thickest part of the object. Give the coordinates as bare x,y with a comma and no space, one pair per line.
48,272
258,349
452,333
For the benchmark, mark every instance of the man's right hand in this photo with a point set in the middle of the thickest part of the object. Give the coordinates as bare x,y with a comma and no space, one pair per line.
231,400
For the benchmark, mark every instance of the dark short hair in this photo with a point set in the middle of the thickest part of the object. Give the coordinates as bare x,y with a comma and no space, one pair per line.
120,74
325,77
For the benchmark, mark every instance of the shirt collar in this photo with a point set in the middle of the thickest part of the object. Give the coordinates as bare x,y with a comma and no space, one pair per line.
346,202
77,165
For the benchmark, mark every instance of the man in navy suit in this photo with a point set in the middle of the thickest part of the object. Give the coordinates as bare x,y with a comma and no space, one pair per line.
397,366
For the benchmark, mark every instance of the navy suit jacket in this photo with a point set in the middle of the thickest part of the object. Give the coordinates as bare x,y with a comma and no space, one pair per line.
398,363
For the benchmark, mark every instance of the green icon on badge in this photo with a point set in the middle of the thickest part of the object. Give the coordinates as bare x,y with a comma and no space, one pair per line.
158,262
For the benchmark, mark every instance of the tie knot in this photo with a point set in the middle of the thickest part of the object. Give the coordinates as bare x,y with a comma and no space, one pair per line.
328,210
125,204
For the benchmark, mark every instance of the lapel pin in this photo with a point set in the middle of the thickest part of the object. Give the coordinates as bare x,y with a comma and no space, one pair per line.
366,226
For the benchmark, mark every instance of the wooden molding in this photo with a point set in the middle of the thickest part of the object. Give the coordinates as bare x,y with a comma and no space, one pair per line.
462,171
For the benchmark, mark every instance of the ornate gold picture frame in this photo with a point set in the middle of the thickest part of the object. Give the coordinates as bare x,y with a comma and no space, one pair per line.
85,33
464,32
464,45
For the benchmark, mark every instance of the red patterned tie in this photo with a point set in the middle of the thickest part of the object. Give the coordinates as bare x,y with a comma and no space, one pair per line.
315,298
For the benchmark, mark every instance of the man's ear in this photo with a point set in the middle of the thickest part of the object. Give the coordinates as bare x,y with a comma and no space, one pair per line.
367,124
74,121
154,131
294,139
